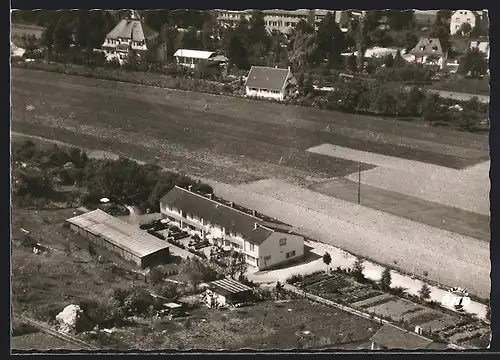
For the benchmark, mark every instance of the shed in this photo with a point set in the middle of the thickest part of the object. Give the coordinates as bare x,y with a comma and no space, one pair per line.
227,292
191,58
127,240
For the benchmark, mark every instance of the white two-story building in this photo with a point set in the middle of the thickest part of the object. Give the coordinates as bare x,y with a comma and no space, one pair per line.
265,242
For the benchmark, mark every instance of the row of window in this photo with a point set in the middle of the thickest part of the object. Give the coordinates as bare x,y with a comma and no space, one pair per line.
290,254
120,41
217,227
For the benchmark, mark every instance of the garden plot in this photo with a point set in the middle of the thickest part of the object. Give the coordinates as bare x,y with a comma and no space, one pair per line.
440,323
374,301
393,309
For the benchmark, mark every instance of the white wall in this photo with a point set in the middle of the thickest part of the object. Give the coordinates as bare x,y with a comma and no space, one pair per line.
278,253
460,17
265,93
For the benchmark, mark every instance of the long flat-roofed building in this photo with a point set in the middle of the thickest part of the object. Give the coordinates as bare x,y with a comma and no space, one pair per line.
265,242
130,242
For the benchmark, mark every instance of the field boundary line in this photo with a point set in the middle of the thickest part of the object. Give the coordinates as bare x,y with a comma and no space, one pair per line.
353,311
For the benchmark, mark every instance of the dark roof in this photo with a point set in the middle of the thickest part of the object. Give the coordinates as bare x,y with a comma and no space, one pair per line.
127,27
228,287
217,213
267,78
428,46
392,337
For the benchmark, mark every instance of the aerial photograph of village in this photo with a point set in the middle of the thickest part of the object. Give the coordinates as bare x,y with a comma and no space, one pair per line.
260,179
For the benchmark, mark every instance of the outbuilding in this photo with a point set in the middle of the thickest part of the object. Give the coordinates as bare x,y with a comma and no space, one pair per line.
271,83
226,292
128,241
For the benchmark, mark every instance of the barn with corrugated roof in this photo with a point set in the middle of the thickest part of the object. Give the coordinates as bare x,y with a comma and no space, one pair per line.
226,292
128,241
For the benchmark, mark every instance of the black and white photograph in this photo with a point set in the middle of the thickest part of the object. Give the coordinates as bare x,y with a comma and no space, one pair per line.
250,179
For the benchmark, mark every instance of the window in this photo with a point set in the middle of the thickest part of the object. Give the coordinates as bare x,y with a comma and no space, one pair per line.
292,253
267,257
283,242
252,247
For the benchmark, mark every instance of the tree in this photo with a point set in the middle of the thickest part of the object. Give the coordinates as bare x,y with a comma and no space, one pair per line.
488,312
389,60
399,19
441,30
190,39
425,292
48,39
465,30
330,40
398,61
304,27
237,52
352,64
169,290
210,33
357,269
385,281
474,62
62,35
303,51
327,259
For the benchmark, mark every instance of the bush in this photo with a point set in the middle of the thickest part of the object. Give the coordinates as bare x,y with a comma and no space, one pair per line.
294,279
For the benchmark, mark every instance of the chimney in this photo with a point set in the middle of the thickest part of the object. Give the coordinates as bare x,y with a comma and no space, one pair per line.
190,187
255,226
254,213
231,204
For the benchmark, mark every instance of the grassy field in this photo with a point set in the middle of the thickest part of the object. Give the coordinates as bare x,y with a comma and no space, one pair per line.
212,135
267,325
42,285
462,85
413,208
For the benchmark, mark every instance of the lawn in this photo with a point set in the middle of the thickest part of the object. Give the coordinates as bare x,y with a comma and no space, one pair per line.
459,84
40,341
413,208
267,325
210,136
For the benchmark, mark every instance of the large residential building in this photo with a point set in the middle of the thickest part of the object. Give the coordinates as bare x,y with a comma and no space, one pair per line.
474,18
132,33
270,83
429,51
128,241
282,20
481,45
265,242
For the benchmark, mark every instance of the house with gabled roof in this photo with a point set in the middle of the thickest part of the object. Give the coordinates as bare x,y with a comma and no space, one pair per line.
472,17
270,83
132,33
264,241
429,51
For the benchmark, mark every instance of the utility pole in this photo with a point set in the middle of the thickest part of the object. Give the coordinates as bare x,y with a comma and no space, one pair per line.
359,183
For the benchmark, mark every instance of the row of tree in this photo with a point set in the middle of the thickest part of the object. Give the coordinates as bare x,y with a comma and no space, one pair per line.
123,181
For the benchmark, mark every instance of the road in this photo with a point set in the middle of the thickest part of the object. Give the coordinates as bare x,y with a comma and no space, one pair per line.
458,96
